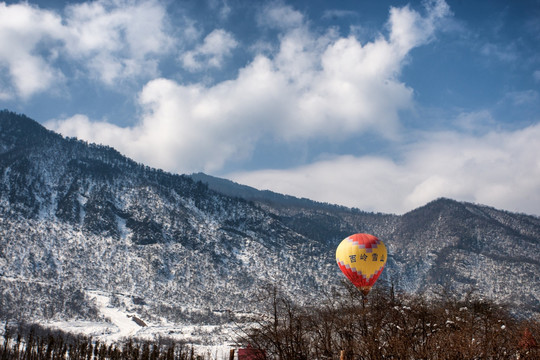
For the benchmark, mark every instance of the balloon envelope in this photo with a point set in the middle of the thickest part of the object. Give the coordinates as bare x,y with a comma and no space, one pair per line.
361,257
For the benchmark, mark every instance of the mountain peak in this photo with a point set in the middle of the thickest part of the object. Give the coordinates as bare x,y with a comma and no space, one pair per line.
18,130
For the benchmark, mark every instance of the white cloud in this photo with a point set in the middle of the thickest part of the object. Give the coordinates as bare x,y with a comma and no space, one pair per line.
500,169
117,39
111,39
408,29
314,87
22,29
216,45
280,16
100,132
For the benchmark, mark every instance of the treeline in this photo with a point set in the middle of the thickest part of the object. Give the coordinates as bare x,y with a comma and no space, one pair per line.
390,325
21,300
33,342
342,326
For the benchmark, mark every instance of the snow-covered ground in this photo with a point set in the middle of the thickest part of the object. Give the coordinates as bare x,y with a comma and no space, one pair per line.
119,324
125,325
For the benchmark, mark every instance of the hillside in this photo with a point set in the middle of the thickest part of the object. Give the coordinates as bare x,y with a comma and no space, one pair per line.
443,246
79,219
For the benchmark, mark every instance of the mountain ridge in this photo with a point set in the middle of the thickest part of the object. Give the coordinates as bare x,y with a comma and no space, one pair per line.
76,216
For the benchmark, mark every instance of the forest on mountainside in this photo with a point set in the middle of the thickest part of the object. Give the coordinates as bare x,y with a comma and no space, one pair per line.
78,217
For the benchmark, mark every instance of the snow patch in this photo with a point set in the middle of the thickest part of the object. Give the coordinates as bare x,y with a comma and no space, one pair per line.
124,323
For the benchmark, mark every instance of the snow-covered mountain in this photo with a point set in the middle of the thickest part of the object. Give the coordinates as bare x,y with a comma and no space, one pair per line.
444,246
78,219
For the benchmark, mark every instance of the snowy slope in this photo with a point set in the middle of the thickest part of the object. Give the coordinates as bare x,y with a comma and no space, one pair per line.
88,234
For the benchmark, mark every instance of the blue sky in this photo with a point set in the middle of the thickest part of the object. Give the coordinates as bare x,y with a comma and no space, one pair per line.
378,105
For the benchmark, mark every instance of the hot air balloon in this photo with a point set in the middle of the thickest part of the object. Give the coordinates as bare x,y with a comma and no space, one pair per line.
361,257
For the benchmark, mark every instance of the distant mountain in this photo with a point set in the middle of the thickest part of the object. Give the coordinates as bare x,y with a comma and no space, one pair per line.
267,197
443,246
79,218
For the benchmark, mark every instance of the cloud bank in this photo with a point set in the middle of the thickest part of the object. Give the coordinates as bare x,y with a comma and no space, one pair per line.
314,86
107,40
499,169
307,87
216,46
22,29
